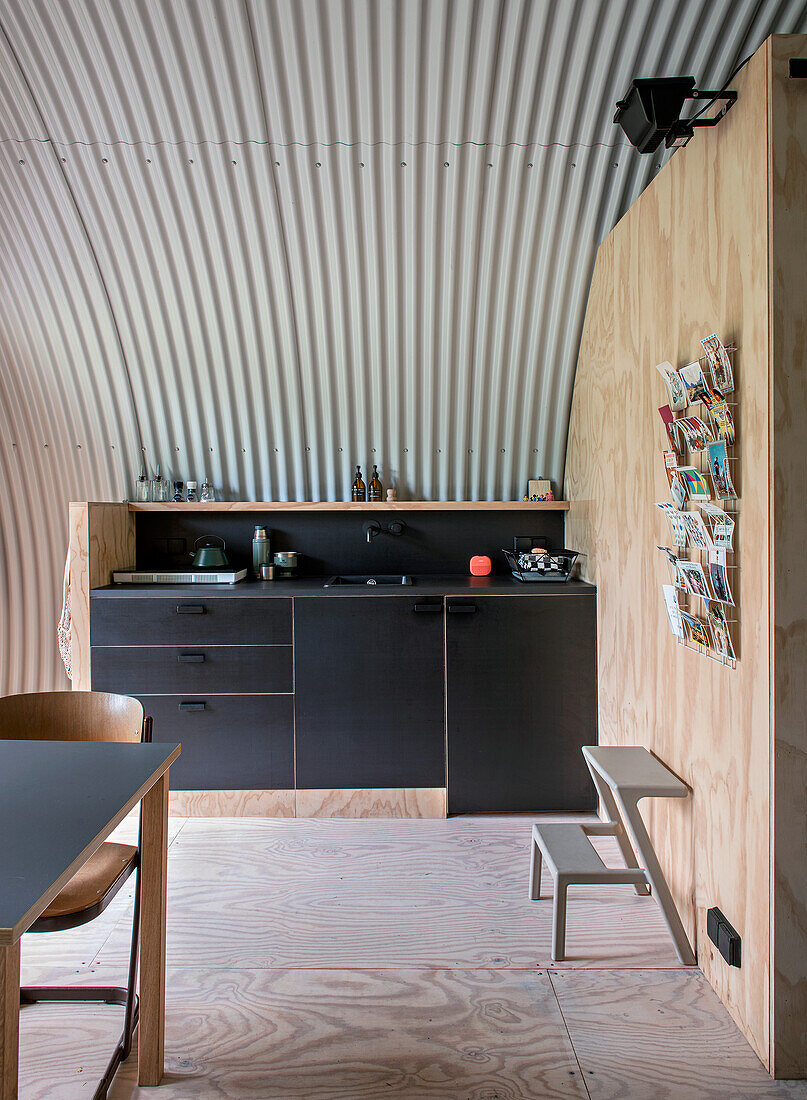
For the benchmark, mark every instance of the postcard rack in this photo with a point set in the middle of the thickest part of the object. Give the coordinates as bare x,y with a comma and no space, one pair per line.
696,605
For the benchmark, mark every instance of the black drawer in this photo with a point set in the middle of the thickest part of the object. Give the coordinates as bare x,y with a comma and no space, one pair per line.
217,620
229,742
168,670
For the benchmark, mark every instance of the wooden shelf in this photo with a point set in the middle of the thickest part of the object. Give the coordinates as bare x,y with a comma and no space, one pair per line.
349,506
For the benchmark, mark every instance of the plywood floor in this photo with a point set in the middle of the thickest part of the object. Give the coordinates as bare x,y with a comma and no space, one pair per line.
363,959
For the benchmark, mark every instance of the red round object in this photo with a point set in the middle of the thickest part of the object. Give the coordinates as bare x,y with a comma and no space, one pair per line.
480,565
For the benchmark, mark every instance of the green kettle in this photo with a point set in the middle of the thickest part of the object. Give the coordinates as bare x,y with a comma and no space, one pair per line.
209,555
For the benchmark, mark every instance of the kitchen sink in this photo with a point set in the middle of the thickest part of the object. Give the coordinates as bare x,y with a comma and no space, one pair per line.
368,579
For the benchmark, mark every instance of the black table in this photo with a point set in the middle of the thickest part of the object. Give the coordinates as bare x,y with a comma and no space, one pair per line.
58,802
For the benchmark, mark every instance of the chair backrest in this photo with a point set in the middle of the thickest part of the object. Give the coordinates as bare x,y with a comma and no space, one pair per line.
70,716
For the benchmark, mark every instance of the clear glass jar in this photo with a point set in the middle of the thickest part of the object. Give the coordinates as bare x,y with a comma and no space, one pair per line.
159,488
207,493
142,489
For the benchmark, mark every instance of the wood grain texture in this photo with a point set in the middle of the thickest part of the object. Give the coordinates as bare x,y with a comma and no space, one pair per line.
153,898
9,1019
688,259
350,506
788,290
101,539
366,802
330,1024
231,803
691,1048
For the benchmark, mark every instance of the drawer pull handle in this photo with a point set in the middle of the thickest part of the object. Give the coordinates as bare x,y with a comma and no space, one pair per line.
192,706
190,609
428,607
462,608
191,658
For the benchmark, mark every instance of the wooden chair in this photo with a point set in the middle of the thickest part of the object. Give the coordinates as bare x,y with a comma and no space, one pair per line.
85,716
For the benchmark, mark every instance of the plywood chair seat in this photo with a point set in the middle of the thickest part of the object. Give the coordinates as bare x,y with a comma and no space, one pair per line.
90,890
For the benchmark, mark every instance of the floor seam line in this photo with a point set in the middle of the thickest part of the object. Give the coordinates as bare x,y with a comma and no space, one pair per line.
568,1032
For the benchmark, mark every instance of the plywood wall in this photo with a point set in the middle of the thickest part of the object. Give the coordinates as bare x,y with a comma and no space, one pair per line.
788,293
688,259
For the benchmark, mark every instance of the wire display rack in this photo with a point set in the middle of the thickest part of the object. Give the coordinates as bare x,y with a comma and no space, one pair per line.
688,601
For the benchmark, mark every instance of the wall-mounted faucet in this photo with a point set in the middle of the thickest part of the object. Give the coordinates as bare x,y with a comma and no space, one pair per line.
373,528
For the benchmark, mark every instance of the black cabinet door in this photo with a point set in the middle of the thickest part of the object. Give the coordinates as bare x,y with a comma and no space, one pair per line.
369,701
521,702
229,742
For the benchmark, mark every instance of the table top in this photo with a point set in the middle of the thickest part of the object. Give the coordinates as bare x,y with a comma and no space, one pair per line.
632,768
59,800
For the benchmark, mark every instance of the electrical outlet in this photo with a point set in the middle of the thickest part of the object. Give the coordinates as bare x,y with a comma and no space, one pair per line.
725,938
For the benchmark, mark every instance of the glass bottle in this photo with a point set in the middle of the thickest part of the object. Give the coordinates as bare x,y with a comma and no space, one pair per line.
207,493
261,550
179,491
376,488
192,494
359,488
159,488
142,489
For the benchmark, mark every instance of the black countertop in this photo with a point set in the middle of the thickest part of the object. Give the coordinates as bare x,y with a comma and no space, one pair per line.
313,586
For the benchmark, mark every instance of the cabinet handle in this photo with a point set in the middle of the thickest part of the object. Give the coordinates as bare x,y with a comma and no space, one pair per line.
428,607
462,608
190,609
192,706
191,658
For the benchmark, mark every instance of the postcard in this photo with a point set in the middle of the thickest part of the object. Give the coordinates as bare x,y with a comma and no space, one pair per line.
711,398
719,576
677,522
673,561
695,432
722,526
670,464
719,363
723,422
719,469
696,530
675,387
720,631
673,610
696,631
678,490
665,412
694,382
695,483
695,579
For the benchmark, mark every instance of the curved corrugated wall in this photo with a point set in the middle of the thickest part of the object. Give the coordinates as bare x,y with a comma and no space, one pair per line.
266,239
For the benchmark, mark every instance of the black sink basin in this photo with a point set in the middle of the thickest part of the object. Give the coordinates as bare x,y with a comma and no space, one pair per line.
370,579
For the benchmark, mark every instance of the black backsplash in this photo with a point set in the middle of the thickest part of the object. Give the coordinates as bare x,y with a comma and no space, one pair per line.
334,542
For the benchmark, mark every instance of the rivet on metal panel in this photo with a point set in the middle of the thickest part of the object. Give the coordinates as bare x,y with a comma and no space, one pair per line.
277,164
403,164
148,160
361,164
64,160
445,164
21,162
530,165
318,164
406,450
490,165
574,165
190,160
235,162
104,160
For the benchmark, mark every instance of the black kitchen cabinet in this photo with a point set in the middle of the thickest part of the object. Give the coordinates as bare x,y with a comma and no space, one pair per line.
369,702
521,702
229,742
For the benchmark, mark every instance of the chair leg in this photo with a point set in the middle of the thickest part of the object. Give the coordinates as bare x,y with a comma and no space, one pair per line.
535,872
132,1011
559,921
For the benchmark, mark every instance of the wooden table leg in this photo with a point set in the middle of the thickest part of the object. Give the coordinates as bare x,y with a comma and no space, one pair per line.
9,1020
153,891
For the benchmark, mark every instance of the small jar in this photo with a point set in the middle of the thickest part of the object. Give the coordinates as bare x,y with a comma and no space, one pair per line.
207,493
142,489
192,494
179,491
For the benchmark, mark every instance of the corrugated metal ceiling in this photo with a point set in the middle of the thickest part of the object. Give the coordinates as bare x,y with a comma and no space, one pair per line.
267,239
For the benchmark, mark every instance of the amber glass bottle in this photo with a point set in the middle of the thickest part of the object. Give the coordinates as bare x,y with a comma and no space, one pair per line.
376,489
359,488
